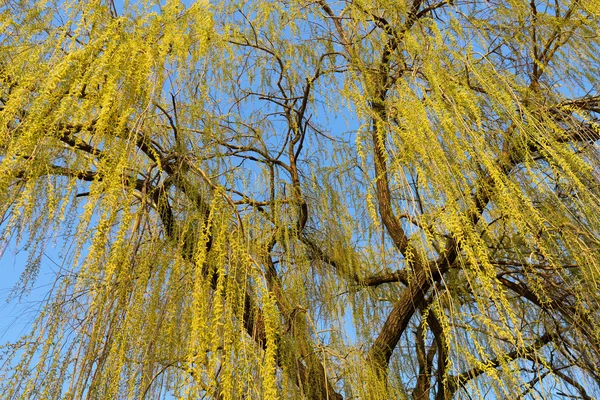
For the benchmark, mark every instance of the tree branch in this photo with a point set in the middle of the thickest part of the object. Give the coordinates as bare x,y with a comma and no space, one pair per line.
524,352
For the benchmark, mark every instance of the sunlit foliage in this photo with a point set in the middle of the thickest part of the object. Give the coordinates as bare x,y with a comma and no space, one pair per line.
304,199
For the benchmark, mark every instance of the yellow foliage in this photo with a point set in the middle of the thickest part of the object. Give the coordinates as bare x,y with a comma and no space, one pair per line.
303,199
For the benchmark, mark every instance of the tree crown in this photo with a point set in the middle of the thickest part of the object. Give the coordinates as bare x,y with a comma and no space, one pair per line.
304,199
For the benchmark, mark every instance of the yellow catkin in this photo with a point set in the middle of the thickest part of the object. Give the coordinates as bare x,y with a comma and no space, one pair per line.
199,177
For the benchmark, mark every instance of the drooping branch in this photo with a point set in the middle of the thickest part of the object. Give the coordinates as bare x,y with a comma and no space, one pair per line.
578,320
428,273
439,347
455,382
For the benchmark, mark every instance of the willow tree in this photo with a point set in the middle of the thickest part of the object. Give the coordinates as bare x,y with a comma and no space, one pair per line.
304,199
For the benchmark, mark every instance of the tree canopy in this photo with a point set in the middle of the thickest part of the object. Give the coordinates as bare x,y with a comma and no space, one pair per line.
293,199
